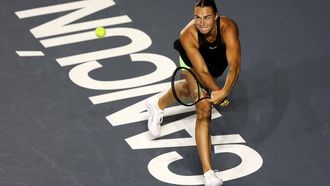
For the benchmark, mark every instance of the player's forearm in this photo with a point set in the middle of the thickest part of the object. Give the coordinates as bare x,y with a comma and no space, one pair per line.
208,81
231,78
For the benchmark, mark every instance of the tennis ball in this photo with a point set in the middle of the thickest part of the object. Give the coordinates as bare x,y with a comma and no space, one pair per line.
100,32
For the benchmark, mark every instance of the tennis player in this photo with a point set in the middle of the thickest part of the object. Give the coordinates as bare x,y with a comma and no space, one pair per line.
208,44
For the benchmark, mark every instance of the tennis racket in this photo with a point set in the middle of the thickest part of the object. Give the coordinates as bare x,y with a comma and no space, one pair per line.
187,89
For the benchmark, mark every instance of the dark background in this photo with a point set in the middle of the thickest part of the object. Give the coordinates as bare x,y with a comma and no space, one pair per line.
51,134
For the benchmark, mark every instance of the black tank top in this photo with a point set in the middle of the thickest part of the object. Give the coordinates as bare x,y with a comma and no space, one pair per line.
214,54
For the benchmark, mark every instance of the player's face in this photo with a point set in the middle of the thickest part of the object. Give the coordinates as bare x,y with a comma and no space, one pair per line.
205,19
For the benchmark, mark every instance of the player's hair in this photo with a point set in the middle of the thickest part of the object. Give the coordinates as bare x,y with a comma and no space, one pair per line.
204,3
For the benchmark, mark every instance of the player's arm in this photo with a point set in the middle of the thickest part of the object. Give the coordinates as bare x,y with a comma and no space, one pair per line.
233,52
189,42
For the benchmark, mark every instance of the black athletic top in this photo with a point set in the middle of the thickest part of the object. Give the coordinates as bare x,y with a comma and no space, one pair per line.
214,53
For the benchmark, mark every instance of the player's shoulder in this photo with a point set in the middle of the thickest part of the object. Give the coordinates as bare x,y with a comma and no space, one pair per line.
228,24
190,28
189,32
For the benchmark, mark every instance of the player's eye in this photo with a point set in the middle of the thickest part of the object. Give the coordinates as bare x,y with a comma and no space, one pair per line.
197,18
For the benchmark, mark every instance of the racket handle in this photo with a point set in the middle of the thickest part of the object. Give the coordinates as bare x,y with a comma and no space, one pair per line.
225,102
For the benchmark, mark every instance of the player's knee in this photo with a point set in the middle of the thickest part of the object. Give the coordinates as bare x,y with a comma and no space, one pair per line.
203,111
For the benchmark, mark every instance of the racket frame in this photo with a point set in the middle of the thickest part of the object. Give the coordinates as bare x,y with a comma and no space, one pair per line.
200,88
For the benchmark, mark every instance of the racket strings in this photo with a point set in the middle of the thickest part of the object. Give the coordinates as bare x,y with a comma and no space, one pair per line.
186,87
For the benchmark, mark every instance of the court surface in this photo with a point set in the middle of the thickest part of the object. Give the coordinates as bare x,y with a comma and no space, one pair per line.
73,113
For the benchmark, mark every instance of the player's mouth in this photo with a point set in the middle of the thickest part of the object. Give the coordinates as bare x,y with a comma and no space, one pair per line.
203,29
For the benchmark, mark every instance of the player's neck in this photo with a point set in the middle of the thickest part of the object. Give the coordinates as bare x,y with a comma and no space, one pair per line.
212,35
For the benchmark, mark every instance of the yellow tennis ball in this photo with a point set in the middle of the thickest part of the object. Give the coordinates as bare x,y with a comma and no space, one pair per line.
100,32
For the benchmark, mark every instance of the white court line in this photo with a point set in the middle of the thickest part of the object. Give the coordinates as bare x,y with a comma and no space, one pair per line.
29,53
